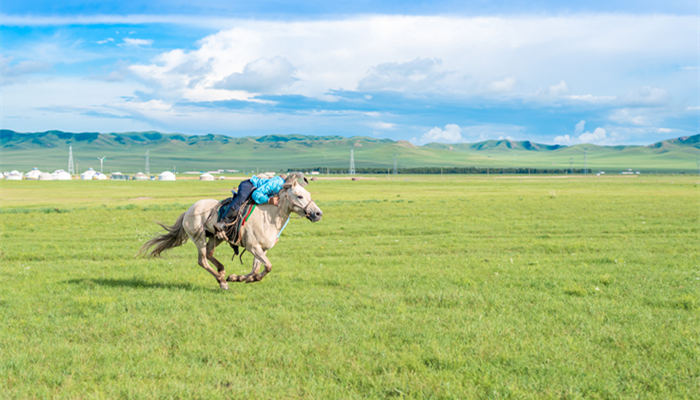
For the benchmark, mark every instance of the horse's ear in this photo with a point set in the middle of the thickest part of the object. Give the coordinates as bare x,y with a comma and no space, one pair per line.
306,181
289,182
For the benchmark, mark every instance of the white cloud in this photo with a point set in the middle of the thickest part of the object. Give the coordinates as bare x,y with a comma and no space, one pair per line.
457,56
137,42
105,41
383,125
628,116
664,130
558,89
598,136
503,85
262,75
452,133
563,139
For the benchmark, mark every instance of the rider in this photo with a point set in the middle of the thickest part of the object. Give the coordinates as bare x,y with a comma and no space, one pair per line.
262,188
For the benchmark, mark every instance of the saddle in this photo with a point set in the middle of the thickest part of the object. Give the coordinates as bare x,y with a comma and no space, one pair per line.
232,230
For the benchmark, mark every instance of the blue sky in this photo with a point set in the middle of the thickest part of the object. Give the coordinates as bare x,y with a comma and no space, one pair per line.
605,72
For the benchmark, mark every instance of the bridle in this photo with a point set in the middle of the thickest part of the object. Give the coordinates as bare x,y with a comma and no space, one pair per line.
305,209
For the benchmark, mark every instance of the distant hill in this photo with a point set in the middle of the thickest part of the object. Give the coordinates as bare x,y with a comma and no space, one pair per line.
125,152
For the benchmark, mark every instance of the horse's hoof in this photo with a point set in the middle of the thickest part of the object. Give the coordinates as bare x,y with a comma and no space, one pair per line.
223,285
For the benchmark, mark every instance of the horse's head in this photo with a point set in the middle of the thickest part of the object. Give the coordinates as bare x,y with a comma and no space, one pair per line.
299,199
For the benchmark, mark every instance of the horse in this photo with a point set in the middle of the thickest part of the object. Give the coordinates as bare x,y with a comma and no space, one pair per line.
258,235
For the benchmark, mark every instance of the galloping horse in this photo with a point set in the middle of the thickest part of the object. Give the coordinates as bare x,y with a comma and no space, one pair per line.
258,235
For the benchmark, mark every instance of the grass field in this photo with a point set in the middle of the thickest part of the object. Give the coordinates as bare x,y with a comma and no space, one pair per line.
412,287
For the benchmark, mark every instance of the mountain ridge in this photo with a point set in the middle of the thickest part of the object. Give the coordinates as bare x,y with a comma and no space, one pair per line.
125,152
10,138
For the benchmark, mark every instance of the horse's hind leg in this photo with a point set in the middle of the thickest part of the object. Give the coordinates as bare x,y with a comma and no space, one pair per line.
200,241
202,260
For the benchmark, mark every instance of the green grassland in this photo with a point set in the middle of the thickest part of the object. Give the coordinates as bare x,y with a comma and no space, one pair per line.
410,287
126,153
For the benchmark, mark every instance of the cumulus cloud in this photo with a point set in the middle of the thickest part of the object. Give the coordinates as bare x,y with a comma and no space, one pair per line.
452,133
263,75
459,56
598,136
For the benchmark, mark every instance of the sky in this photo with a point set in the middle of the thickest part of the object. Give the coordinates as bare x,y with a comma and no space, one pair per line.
603,72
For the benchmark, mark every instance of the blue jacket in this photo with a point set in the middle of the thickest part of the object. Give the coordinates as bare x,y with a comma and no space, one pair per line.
265,188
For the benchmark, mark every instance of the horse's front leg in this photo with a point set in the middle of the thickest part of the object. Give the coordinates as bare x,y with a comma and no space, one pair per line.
260,257
247,277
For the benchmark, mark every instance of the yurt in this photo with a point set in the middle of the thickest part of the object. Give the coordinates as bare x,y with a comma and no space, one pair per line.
140,176
45,176
33,174
99,176
88,175
206,177
14,176
166,176
61,175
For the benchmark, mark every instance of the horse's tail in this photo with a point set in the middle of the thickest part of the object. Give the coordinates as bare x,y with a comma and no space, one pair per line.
176,236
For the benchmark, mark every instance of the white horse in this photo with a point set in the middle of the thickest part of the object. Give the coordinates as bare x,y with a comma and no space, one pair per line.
258,235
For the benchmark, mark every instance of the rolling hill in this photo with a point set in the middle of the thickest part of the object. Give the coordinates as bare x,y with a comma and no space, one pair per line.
125,152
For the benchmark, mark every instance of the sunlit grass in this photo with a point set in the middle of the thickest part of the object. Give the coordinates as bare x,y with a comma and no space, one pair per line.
416,287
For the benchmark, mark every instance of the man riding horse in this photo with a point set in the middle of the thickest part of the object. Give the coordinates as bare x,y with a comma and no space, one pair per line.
261,188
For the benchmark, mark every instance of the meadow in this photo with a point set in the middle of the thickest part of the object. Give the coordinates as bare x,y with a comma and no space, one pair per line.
416,287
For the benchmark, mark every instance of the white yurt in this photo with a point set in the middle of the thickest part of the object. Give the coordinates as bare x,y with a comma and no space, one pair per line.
45,176
140,176
206,177
88,175
61,175
33,174
99,176
2,175
14,176
166,176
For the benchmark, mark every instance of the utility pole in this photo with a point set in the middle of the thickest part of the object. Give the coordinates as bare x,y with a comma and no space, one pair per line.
71,166
352,162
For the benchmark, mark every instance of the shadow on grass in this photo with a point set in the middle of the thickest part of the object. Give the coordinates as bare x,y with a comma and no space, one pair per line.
136,284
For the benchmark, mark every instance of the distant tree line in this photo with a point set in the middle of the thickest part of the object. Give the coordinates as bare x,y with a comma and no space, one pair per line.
447,170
